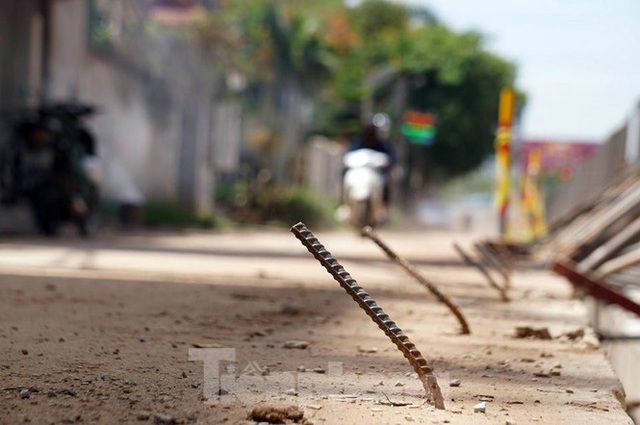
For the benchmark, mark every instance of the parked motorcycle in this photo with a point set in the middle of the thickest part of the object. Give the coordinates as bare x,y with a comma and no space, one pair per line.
50,162
363,187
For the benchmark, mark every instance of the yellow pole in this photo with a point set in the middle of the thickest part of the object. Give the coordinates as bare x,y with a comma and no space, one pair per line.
503,155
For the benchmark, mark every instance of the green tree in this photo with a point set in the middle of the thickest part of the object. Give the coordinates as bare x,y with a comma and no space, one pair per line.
366,50
423,65
282,51
455,77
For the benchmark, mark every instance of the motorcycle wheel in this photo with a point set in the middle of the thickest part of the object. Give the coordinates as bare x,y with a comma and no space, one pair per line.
362,214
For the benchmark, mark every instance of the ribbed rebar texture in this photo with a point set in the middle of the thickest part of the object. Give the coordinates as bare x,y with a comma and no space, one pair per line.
371,234
368,304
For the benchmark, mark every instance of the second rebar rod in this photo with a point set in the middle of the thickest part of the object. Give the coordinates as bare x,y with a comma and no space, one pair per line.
371,234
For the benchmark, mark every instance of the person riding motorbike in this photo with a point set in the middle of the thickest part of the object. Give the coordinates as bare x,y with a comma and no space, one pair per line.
370,138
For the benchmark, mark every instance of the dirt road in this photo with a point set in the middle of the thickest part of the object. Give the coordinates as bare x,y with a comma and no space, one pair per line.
194,328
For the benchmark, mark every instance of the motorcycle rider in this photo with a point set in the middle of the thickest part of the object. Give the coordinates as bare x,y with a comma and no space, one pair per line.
372,138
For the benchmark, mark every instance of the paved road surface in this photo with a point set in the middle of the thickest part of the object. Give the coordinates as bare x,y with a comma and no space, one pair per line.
101,331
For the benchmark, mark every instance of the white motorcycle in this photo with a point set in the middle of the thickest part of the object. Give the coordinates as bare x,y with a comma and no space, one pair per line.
363,188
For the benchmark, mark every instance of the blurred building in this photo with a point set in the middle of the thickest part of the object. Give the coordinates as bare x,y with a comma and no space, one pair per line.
156,129
557,157
22,53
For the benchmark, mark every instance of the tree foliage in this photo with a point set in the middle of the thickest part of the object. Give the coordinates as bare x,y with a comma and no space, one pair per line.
453,76
333,54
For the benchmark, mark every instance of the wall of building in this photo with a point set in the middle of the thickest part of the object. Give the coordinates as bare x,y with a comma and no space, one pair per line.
154,134
121,129
20,32
125,134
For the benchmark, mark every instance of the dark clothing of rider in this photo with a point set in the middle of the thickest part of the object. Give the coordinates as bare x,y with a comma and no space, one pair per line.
369,139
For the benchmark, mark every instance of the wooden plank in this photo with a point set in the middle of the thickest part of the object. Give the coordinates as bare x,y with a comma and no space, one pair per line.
620,263
610,247
587,230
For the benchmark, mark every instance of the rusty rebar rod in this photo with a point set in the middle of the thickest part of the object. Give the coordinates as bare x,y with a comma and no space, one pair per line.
371,234
594,286
493,262
375,312
470,261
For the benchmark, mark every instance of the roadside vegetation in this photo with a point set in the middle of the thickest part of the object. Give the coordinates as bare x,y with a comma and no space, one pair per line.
296,68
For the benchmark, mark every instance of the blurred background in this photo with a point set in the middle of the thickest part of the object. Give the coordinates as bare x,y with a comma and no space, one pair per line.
210,112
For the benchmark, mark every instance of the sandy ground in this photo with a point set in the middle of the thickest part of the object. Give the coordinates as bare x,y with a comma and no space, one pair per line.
193,328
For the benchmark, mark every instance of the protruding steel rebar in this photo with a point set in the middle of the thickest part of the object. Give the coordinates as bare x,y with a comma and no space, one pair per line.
493,262
371,234
467,259
368,304
595,287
